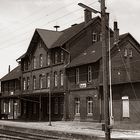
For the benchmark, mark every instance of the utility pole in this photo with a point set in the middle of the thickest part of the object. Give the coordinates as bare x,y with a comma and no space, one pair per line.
105,69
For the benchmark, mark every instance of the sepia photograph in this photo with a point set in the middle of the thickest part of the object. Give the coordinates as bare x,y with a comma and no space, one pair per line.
69,70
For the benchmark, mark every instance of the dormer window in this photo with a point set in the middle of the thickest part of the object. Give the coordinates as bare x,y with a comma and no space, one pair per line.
48,58
94,37
41,60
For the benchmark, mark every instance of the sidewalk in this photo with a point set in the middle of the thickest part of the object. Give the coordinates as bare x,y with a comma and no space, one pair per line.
72,127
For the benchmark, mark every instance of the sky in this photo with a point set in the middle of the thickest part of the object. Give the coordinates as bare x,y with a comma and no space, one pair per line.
20,18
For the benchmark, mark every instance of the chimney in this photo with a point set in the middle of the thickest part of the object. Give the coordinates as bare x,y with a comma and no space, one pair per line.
116,32
56,27
9,69
88,15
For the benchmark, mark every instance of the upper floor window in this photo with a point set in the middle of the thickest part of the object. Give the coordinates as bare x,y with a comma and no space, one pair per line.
125,52
89,74
62,56
41,81
48,58
100,37
94,37
41,60
34,63
56,57
24,84
130,53
61,78
28,83
55,79
34,82
89,106
48,80
77,75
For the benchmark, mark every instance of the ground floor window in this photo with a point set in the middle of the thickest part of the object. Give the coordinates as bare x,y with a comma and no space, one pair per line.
125,107
56,106
89,106
77,106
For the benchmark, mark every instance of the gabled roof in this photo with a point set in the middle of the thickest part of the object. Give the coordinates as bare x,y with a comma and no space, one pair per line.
93,53
14,74
54,39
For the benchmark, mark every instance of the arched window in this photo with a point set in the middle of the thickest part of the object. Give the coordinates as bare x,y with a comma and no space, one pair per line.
24,84
41,81
34,82
48,80
61,78
28,83
89,106
55,79
41,60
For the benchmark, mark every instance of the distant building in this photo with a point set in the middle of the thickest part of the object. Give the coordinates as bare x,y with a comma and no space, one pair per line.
69,64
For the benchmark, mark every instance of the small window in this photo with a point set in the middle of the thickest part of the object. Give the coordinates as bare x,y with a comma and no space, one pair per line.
61,78
55,79
89,74
41,60
125,107
89,106
77,106
94,37
77,75
34,82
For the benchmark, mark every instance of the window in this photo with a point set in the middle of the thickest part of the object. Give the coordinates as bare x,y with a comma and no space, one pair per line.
89,106
77,106
61,78
24,84
55,79
62,56
34,82
89,74
28,83
41,60
56,58
4,107
77,75
94,37
56,106
48,80
9,107
48,59
130,53
34,63
41,81
100,37
125,107
125,52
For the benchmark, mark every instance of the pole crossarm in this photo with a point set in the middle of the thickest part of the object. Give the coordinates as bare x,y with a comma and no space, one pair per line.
89,8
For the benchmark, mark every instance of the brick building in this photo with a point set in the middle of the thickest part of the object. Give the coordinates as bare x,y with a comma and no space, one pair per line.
69,64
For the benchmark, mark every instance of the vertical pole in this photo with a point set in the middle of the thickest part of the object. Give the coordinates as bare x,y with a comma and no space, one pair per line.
105,70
